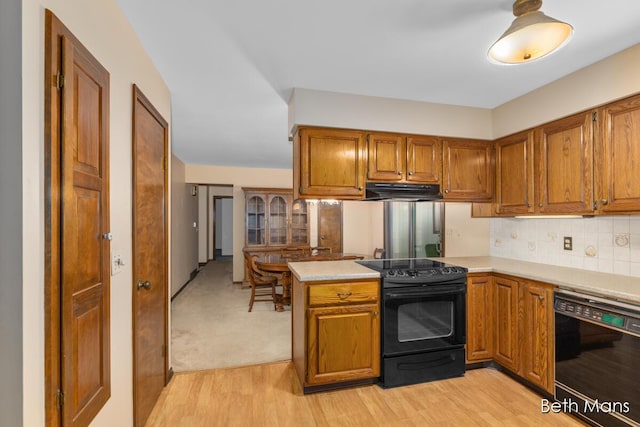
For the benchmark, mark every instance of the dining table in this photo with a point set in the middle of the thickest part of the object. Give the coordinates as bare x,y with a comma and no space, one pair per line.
277,263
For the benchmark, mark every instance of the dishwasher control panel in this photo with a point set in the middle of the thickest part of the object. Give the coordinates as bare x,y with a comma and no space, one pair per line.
597,314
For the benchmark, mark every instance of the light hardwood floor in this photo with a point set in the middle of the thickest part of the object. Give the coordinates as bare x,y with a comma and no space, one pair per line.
269,395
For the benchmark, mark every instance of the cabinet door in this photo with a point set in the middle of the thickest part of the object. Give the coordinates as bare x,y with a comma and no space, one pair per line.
506,300
424,159
343,343
278,219
565,165
299,222
387,157
329,163
480,322
537,340
514,174
255,226
620,157
467,170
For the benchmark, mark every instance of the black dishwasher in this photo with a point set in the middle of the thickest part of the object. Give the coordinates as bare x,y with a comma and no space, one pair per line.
597,358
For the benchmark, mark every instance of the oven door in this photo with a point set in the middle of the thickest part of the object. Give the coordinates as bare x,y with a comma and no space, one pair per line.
423,318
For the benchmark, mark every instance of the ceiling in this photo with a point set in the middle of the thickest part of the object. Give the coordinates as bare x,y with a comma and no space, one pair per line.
231,66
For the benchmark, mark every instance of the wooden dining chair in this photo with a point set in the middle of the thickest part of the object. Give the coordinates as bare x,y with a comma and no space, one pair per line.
263,286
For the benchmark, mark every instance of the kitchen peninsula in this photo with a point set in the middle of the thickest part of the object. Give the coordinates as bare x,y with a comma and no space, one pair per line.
509,319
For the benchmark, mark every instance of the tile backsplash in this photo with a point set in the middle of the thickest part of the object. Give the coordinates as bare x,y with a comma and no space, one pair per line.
609,244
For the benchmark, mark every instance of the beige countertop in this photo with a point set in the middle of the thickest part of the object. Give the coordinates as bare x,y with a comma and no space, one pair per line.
610,285
330,270
593,282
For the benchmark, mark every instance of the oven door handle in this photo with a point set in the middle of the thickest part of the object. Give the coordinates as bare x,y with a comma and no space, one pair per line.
426,291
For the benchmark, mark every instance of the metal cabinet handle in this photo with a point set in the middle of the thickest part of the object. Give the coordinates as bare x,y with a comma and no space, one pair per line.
146,285
446,191
107,236
410,173
343,295
528,205
604,202
539,205
541,297
399,173
360,188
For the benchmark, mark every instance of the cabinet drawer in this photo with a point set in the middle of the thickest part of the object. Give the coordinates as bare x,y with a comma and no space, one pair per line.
343,293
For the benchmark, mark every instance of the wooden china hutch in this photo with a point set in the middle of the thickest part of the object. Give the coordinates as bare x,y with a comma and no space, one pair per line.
274,220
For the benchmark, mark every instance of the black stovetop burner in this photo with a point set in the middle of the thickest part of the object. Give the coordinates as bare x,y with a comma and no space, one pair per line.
413,268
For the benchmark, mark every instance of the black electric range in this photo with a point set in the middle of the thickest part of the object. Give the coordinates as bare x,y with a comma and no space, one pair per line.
423,321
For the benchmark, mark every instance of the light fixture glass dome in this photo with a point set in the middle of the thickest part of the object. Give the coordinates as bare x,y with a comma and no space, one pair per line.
532,35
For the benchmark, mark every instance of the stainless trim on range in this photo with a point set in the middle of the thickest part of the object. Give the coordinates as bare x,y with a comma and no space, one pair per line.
597,349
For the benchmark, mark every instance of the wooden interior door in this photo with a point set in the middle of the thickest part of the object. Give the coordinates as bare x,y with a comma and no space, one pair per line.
150,327
330,225
77,305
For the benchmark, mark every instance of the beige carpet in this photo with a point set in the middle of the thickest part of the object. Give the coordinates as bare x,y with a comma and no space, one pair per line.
211,327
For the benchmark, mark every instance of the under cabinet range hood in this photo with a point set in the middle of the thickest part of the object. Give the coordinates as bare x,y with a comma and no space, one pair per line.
402,192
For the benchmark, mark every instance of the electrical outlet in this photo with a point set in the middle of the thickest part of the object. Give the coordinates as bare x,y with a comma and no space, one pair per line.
568,243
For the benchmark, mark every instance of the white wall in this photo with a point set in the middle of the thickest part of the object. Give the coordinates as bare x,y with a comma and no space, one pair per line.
103,29
226,215
464,236
340,110
362,227
11,211
203,224
605,81
184,235
239,177
217,190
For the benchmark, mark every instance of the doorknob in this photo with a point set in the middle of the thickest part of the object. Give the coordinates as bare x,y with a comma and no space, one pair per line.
146,285
323,237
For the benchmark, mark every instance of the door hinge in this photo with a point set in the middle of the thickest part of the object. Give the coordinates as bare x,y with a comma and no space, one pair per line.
60,398
164,350
165,163
59,80
595,205
594,116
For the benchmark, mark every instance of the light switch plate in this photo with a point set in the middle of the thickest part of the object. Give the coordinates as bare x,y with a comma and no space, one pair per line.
117,263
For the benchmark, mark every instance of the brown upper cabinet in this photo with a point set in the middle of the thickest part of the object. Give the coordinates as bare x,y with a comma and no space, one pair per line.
329,163
548,169
564,165
400,158
619,157
514,174
467,169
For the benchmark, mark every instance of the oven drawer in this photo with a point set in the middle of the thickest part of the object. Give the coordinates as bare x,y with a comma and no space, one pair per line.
343,293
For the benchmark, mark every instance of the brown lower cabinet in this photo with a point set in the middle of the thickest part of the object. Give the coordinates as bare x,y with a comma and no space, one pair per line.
510,320
335,332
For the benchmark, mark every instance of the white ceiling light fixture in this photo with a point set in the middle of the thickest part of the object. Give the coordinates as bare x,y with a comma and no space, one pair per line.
531,35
